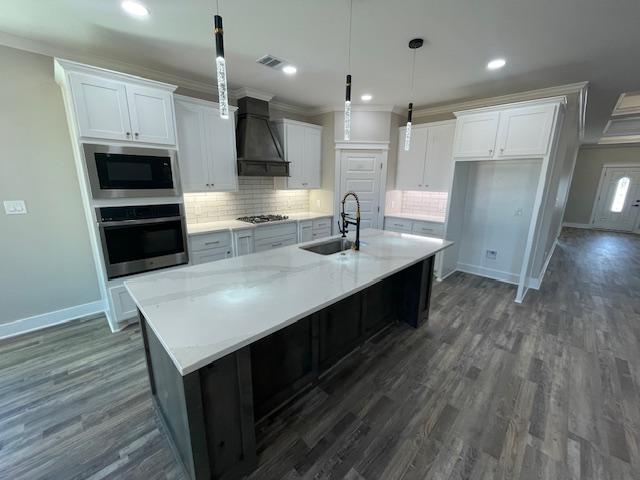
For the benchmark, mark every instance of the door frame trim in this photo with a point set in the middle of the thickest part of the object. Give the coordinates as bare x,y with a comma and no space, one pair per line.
592,218
381,148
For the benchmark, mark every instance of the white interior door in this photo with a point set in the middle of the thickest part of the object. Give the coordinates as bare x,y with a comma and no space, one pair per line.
360,173
618,202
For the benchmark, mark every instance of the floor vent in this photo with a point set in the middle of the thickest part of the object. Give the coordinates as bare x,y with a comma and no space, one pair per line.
270,61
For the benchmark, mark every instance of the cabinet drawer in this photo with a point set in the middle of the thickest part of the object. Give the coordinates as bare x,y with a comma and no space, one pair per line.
322,223
275,242
264,232
210,240
321,233
205,256
397,225
428,228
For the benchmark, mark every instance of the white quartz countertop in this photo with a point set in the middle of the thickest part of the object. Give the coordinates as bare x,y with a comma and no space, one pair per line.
416,216
201,313
210,227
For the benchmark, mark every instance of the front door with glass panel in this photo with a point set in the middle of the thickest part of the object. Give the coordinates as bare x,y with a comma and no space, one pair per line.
618,202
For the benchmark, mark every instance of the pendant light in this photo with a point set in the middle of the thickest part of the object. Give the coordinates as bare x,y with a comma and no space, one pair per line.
221,66
413,45
347,99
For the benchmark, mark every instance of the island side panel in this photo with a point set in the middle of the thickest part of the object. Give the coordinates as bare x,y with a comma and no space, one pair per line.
178,401
415,297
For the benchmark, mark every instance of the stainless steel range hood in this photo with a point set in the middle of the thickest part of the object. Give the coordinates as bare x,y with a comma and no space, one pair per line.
258,147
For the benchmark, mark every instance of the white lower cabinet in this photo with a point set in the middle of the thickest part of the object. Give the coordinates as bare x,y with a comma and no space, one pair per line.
243,242
321,228
212,255
123,305
400,225
416,227
275,236
305,231
209,247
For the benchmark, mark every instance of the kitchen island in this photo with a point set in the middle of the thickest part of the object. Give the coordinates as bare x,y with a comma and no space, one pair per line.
229,342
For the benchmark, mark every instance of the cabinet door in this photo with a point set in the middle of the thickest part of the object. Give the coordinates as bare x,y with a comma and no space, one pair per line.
244,242
123,304
221,148
151,113
411,164
295,150
101,107
192,156
476,135
311,169
305,232
439,164
526,132
206,256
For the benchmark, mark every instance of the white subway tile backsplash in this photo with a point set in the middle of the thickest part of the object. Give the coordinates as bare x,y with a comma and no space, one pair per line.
417,203
255,195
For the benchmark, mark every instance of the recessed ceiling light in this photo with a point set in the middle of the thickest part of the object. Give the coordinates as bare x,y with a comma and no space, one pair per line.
134,8
289,69
366,97
496,64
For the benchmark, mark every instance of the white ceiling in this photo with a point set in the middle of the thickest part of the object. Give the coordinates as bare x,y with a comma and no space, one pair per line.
546,43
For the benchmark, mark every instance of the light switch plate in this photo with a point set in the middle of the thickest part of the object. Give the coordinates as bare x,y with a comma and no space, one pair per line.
15,207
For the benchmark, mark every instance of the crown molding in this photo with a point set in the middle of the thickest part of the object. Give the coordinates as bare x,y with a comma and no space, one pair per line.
251,92
502,99
42,48
621,140
357,108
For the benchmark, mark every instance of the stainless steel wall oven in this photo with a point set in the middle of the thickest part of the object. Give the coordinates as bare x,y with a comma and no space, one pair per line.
141,238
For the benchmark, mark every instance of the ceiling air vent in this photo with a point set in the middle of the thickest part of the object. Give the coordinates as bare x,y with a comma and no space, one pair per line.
271,61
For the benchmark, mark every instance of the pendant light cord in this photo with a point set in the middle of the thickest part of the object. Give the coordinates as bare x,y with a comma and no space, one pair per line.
349,48
413,70
218,7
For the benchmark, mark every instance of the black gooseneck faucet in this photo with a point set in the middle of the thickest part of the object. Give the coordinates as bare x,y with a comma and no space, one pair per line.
348,220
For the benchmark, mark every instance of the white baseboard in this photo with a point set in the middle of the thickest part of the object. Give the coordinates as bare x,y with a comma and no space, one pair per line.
586,226
44,320
499,275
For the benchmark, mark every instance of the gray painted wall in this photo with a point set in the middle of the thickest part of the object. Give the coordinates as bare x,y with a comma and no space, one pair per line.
587,175
45,255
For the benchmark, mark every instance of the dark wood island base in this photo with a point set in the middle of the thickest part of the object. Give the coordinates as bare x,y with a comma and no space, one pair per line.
210,414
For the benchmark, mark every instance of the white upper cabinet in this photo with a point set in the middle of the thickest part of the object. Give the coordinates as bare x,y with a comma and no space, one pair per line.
151,113
525,131
439,163
506,131
476,135
101,107
429,163
411,164
207,146
302,144
115,106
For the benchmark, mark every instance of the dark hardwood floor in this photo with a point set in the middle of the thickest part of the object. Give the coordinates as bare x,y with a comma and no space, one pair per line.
489,389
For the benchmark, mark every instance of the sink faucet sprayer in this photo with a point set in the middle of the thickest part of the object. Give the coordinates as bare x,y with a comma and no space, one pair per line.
348,220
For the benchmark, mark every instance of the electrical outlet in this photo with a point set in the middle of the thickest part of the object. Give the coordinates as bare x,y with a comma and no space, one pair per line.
15,207
492,254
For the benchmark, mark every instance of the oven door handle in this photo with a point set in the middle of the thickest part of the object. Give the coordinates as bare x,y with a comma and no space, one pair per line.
116,223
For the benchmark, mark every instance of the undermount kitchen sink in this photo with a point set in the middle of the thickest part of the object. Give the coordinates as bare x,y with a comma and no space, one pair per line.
329,247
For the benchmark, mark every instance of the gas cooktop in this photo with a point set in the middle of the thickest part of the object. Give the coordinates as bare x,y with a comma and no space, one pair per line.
262,218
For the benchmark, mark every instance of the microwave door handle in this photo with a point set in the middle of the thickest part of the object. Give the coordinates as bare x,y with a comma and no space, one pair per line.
138,222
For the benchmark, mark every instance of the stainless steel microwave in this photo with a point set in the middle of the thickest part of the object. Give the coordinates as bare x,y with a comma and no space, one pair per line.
121,172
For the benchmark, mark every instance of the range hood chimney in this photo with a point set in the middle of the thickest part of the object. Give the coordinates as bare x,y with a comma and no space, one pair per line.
258,147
